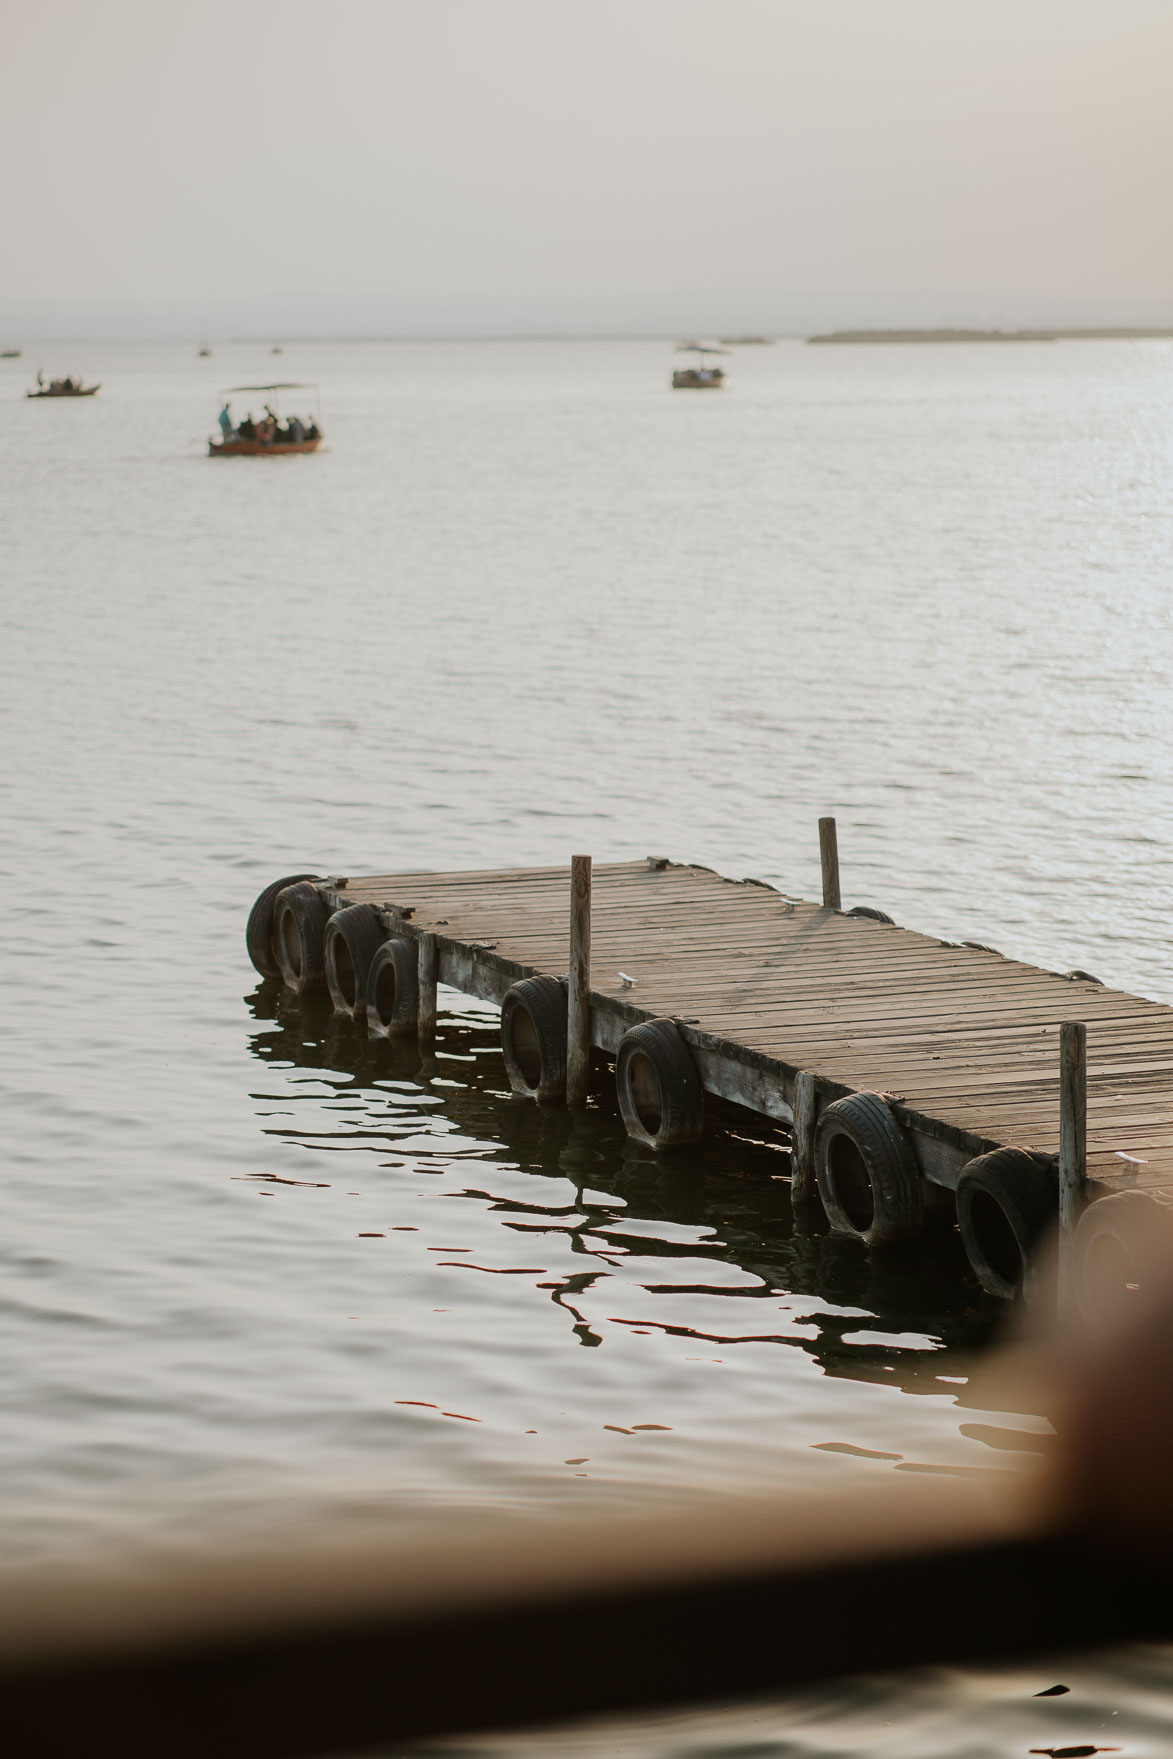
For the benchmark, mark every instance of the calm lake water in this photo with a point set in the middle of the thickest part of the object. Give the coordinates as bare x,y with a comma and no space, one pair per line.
526,602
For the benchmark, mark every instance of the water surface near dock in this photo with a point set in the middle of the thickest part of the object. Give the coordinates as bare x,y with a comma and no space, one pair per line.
525,602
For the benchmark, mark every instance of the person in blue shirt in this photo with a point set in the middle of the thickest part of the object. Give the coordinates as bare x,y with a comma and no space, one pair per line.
226,421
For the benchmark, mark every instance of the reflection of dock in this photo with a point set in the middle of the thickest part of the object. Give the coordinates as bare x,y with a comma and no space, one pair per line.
847,1309
902,1061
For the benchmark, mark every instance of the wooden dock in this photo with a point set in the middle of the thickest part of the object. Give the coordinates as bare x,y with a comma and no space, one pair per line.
785,1007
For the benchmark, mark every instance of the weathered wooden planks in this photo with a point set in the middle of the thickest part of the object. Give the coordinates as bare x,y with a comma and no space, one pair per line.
966,1041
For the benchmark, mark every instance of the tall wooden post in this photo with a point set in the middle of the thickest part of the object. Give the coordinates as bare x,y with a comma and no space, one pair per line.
802,1175
427,988
578,1005
829,855
1072,1142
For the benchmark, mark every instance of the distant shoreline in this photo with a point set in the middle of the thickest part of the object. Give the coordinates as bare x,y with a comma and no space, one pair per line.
1103,334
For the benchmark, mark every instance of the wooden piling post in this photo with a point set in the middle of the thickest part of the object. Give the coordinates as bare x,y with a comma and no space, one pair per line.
427,990
1072,1142
802,1177
829,855
578,1005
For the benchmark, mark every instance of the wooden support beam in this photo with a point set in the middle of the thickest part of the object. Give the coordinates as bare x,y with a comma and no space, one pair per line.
803,1189
1072,1142
829,856
578,1003
427,988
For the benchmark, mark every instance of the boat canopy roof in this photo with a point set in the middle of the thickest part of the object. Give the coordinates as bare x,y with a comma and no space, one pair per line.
281,385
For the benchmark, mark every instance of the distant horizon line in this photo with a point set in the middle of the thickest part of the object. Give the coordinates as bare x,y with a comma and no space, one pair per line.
271,339
879,334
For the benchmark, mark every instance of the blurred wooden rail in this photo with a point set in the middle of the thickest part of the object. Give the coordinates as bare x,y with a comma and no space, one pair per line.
312,1655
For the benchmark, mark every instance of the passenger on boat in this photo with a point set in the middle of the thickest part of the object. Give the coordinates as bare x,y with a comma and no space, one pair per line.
226,421
296,430
248,427
313,432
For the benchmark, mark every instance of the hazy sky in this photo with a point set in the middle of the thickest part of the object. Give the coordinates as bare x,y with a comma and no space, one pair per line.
991,157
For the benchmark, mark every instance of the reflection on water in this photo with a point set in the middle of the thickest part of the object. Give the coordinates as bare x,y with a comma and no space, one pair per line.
698,1252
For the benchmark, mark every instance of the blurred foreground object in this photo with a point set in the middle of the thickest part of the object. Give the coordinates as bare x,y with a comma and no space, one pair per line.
1113,1360
532,1621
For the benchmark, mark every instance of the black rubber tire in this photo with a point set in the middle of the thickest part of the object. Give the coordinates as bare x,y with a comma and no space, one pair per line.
869,911
353,937
1007,1201
1122,1251
533,1038
258,933
299,935
659,1086
866,1172
393,990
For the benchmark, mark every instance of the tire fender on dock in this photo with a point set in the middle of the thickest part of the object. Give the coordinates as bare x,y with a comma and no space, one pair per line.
258,934
1122,1251
659,1086
871,913
1007,1202
353,937
866,1172
534,1038
299,935
393,992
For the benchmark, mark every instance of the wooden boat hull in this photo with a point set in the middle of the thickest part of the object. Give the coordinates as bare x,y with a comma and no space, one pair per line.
89,391
688,379
259,448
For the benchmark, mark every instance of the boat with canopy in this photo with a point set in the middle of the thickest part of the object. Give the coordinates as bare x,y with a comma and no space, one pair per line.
270,435
705,375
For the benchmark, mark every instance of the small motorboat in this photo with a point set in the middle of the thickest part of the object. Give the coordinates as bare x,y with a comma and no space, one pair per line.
11,353
67,387
271,437
205,353
703,376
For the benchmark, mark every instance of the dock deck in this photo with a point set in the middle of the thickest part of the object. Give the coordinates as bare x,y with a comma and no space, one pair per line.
962,1043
